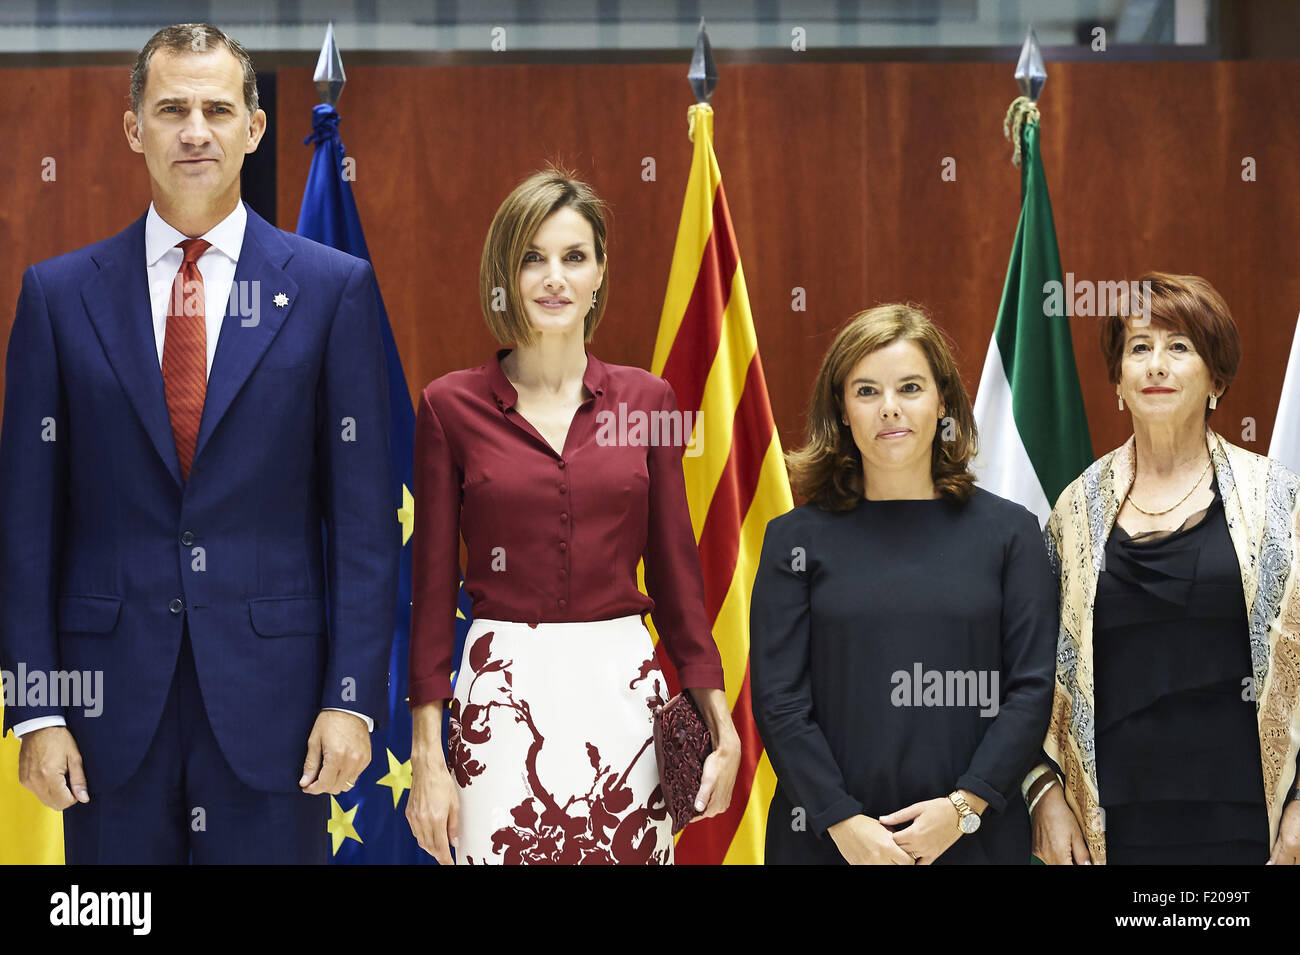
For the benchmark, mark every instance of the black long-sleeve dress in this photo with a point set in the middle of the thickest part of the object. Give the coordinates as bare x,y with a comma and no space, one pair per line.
899,651
1177,739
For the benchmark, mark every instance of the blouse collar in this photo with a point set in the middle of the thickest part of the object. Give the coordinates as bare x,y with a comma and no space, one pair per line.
506,395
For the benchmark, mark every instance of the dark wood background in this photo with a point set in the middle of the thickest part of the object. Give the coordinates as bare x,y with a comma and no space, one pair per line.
832,172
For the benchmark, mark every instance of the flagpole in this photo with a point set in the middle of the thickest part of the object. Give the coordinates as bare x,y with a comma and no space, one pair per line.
329,77
1031,75
368,825
703,72
1033,431
707,350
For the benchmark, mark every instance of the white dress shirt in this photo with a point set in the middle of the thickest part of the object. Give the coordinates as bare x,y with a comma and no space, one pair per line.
162,259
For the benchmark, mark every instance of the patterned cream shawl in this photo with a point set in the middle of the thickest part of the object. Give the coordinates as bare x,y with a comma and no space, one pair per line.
1261,502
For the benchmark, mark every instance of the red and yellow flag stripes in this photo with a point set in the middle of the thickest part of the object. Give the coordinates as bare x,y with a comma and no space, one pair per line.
708,352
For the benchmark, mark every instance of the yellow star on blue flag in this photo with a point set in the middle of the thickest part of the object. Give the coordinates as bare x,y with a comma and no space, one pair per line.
340,824
398,778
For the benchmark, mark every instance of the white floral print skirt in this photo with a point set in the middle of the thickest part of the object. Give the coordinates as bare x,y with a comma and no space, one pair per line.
551,744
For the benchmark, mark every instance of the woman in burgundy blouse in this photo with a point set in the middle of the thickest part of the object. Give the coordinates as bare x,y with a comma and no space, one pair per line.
551,755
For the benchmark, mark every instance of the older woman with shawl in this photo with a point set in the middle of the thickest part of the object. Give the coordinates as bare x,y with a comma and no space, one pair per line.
1174,729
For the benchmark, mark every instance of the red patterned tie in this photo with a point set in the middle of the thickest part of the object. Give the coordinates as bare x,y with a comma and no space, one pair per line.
185,353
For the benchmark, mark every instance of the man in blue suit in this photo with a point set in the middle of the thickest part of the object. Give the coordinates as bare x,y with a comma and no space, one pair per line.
187,405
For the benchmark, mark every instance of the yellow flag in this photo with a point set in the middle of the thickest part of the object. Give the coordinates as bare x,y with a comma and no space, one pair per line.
30,834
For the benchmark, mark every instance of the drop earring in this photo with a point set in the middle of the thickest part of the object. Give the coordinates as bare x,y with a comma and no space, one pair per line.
1214,401
593,299
1121,398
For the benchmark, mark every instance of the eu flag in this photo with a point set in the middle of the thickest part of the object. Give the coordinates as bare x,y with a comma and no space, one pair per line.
368,823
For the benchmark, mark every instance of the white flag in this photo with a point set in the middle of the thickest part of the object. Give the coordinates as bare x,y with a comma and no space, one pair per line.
1286,429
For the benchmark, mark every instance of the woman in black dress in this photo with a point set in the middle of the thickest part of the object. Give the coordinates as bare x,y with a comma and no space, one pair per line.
1178,689
903,621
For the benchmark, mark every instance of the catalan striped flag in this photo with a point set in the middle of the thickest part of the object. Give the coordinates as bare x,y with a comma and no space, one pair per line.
708,352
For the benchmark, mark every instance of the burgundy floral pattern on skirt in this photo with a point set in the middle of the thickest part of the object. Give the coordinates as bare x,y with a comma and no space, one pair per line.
551,745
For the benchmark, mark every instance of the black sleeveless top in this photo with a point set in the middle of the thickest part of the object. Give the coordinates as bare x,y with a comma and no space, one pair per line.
1177,743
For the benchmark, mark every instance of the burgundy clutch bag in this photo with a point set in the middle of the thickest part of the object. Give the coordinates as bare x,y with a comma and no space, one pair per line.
682,743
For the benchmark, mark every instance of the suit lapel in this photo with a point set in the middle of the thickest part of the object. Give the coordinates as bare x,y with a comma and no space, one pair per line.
117,300
259,279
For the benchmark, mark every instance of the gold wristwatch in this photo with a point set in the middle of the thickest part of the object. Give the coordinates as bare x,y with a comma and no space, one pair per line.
968,819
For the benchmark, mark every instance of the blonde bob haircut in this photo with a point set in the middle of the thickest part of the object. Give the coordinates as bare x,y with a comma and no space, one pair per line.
512,231
827,470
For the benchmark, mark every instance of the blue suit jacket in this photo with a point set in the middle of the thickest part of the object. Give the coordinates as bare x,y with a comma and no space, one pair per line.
104,550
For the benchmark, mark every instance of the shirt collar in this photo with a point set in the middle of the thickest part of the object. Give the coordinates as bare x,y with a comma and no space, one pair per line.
504,391
227,236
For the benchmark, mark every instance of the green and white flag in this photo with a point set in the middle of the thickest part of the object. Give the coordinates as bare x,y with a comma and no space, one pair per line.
1032,427
1285,446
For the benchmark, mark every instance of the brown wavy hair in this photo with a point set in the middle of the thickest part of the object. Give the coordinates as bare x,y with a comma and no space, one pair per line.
827,470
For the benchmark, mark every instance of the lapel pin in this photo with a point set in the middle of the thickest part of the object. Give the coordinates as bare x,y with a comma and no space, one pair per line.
281,300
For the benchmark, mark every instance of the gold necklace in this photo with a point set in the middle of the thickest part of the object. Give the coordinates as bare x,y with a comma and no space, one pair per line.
1180,500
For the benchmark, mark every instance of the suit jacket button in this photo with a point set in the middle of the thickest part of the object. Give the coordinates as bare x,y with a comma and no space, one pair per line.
187,538
177,605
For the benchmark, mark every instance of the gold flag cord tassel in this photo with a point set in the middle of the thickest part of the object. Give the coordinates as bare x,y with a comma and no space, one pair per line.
1022,110
696,110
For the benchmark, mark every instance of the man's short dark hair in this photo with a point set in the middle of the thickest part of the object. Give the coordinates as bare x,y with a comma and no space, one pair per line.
191,38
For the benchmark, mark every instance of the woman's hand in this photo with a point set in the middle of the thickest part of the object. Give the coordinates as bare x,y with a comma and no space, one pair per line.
864,841
723,763
1058,840
433,806
935,827
1286,850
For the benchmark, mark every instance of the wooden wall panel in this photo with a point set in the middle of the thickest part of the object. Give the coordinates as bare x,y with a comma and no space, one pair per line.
73,116
832,172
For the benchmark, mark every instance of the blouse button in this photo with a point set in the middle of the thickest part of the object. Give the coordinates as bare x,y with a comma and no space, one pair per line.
564,489
564,518
560,464
563,604
563,572
563,546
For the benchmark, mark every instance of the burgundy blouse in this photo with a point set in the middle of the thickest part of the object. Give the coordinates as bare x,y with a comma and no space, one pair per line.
551,538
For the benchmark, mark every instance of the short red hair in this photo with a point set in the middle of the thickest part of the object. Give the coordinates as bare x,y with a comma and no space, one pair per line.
1187,305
